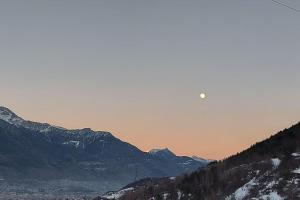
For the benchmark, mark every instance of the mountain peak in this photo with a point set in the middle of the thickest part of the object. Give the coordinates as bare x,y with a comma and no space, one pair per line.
9,116
6,111
162,152
202,159
2,108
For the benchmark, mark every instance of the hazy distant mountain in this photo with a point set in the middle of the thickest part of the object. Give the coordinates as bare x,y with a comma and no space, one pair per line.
45,161
269,170
202,159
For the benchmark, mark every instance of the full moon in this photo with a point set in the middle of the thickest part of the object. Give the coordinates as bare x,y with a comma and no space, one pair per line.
202,95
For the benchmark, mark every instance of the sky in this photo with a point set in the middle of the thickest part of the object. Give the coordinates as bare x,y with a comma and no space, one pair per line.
136,69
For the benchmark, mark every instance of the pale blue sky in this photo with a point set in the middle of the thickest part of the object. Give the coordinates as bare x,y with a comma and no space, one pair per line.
136,68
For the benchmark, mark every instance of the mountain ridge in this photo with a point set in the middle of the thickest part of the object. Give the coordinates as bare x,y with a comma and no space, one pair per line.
38,157
268,170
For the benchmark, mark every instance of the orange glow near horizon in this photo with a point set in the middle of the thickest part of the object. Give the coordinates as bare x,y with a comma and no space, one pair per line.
189,138
138,68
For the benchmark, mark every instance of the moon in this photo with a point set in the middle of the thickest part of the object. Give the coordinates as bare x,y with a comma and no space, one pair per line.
202,95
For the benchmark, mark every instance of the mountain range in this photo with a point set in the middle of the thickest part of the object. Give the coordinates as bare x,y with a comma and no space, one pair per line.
268,170
42,161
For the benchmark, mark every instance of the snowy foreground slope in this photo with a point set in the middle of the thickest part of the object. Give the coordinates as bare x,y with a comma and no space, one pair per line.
269,170
41,161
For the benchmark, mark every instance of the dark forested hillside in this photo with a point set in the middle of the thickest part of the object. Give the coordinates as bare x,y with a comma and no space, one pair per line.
267,170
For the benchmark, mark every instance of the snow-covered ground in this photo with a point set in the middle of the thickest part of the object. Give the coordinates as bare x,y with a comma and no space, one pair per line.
117,195
243,191
272,196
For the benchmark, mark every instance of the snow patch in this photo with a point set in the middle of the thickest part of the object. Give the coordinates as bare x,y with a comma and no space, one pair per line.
297,171
275,162
271,184
179,194
243,191
202,160
117,195
188,162
296,154
9,116
165,196
272,196
74,143
294,181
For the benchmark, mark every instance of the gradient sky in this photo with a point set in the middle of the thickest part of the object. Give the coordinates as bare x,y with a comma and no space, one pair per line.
136,68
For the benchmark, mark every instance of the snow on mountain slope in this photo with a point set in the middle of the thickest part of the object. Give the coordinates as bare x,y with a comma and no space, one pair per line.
166,153
10,117
268,170
297,171
276,162
243,191
117,195
202,159
88,161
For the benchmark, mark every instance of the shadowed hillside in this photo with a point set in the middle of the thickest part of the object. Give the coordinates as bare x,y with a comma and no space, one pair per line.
267,170
41,161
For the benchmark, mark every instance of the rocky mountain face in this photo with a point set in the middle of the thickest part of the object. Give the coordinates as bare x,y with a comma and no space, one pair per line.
38,160
269,170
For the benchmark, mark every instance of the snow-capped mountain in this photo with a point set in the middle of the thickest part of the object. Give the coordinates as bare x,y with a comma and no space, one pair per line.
202,159
184,161
269,170
37,157
165,153
10,117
